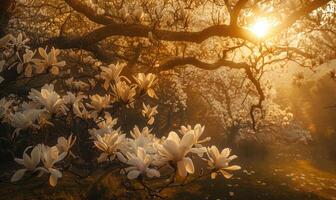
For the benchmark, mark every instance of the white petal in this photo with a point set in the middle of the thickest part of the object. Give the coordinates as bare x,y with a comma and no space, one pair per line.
233,167
225,174
173,136
18,175
19,161
36,155
121,157
52,180
102,158
55,172
181,169
153,173
187,140
213,175
225,152
133,174
189,165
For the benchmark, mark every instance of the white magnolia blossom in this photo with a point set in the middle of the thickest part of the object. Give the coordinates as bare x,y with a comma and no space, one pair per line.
49,157
124,92
111,73
71,98
142,139
20,42
29,162
146,83
149,113
25,119
80,111
176,150
64,145
4,41
105,125
49,61
26,64
197,131
220,161
138,14
109,143
98,103
140,162
123,13
76,85
48,99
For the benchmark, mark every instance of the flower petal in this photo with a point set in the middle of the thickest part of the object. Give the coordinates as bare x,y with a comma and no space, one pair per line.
53,180
233,167
153,173
18,175
187,140
133,174
181,169
189,165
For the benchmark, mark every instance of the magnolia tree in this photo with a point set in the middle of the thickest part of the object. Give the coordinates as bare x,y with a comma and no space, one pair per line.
96,73
141,155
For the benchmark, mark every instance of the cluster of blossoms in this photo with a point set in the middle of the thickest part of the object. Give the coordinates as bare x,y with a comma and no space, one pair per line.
135,12
140,153
16,53
43,159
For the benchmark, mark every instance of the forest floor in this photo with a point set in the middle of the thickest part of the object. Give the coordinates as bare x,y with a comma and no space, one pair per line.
280,176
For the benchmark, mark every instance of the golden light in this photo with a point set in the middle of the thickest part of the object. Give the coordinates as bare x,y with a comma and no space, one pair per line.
261,27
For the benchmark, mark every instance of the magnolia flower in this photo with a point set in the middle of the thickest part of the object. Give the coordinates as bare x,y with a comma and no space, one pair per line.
149,113
5,40
99,103
138,13
146,82
72,98
197,131
49,99
26,63
50,156
175,149
80,111
123,12
140,163
109,143
19,42
29,162
76,85
25,119
105,125
124,92
221,161
49,61
111,73
64,145
143,139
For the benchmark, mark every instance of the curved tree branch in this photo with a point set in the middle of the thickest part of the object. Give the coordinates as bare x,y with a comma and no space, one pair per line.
138,30
178,61
88,12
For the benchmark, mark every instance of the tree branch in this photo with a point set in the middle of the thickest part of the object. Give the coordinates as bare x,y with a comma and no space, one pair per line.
178,61
88,12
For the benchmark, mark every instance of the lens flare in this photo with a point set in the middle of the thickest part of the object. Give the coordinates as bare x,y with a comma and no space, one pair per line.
261,27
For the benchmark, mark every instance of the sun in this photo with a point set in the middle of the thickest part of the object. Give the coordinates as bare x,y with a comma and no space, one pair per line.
261,27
